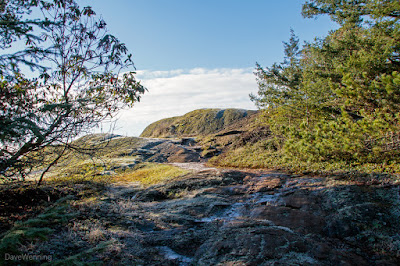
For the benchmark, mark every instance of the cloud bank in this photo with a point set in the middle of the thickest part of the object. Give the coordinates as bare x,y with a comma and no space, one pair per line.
176,92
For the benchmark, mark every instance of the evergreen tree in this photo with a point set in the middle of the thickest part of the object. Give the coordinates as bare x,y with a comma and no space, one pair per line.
348,85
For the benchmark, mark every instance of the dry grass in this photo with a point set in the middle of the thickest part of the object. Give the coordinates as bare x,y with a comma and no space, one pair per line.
95,234
151,173
145,173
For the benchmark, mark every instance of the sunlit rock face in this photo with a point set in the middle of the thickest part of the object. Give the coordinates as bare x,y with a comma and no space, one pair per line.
220,216
196,123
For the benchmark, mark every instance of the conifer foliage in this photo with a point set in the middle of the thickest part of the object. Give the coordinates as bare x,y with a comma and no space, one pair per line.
338,98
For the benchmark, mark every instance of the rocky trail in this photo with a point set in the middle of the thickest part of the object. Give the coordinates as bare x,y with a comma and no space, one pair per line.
169,150
214,216
227,217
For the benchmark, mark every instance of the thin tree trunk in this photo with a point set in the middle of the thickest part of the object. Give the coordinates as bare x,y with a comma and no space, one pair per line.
50,165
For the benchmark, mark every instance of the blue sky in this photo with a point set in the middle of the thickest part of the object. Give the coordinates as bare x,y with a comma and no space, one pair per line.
190,53
176,34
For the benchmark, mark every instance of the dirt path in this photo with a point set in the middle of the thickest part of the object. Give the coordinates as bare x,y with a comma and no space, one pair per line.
195,166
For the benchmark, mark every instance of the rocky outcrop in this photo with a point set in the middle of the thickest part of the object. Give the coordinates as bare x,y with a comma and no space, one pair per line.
196,123
226,217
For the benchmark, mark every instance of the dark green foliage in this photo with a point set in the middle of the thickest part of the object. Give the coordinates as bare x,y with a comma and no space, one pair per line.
353,11
279,84
35,229
334,97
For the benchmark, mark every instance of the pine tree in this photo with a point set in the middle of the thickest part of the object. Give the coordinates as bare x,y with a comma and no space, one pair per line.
347,87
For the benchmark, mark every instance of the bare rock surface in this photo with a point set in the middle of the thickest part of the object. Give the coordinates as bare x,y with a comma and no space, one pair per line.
218,216
227,217
169,151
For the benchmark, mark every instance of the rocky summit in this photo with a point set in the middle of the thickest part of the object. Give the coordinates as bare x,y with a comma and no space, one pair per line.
197,122
153,201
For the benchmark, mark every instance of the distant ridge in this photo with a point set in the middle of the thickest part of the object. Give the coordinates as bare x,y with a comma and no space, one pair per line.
196,123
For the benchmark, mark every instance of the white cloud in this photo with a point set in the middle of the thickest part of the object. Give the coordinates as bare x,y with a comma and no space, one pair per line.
176,92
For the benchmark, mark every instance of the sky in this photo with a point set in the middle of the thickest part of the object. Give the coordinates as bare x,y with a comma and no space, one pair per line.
193,54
